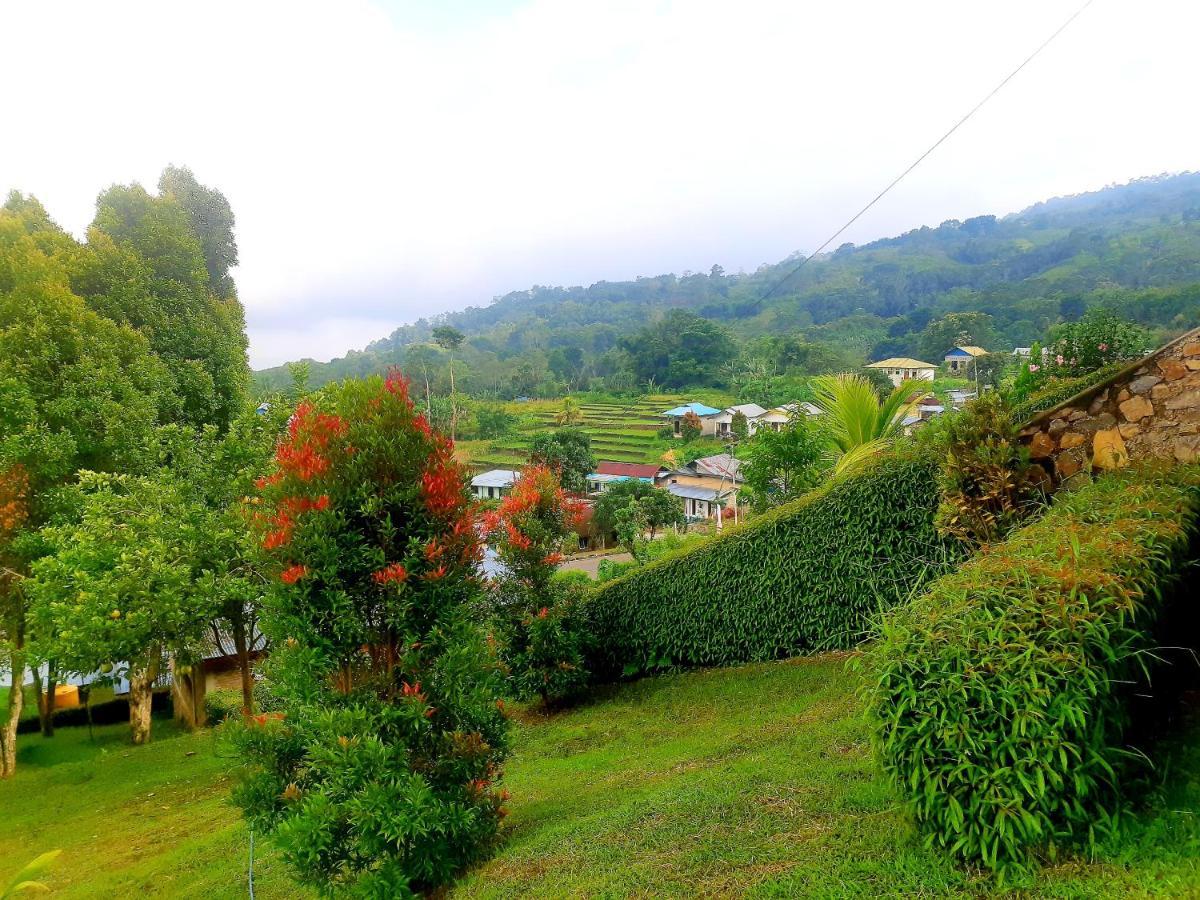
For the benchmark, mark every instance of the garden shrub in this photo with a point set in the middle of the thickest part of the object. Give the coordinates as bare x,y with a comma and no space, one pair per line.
379,775
221,704
1000,697
808,575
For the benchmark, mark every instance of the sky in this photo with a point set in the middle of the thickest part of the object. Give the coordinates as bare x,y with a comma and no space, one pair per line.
392,160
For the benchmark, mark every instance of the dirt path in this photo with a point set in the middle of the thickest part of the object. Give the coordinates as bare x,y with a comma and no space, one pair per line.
591,564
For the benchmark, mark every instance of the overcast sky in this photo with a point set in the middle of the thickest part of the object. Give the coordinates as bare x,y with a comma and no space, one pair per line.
395,159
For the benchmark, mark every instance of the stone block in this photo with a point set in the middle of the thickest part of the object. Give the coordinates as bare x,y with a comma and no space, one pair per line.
1122,395
1186,400
1071,439
1192,364
1186,449
1172,369
1190,350
1129,430
1075,415
1108,450
1067,464
1057,427
1136,408
1041,446
1143,384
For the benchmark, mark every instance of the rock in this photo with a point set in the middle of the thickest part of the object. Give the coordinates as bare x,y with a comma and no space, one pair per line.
1129,430
1192,364
1106,420
1162,391
1057,427
1186,400
1185,449
1076,415
1136,408
1122,396
1040,479
1108,450
1191,350
1172,369
1071,439
1098,404
1076,481
1067,465
1041,446
1143,384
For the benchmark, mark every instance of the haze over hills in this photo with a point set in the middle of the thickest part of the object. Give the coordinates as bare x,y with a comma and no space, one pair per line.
1133,247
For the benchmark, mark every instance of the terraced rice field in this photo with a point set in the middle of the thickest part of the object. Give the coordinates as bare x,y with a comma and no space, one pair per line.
623,432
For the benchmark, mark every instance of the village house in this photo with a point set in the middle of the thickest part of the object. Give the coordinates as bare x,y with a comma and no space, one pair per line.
609,472
707,486
706,414
724,420
903,368
494,484
958,360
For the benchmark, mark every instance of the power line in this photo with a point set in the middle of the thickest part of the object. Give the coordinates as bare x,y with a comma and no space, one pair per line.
920,159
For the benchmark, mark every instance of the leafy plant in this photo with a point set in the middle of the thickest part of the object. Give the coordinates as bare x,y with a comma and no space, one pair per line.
659,508
986,485
858,423
379,774
1001,697
23,881
780,466
568,452
690,427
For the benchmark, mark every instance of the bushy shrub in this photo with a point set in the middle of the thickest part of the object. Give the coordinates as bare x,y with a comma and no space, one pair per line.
536,615
987,489
1000,697
222,704
1056,390
379,779
809,575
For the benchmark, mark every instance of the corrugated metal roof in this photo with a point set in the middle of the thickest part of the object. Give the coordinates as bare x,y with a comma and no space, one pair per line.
630,470
720,466
749,410
698,408
967,351
688,492
500,478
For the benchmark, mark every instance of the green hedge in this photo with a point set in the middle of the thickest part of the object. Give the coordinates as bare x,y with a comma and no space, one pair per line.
809,575
1058,390
1001,698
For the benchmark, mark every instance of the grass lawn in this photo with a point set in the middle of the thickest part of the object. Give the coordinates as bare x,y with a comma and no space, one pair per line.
755,781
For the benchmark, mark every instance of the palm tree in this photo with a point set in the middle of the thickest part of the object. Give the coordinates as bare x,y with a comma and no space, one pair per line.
858,423
570,414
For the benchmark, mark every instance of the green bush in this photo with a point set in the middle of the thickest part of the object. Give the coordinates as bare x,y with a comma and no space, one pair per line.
808,575
1055,391
221,704
1001,697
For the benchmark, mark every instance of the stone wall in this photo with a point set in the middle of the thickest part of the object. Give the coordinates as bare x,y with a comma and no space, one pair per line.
1149,409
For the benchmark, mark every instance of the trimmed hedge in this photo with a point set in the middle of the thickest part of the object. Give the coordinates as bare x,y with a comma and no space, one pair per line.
809,575
1002,697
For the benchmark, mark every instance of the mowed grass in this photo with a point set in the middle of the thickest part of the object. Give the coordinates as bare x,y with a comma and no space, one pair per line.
755,781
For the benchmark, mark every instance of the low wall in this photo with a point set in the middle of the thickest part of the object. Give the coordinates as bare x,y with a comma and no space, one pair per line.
1150,409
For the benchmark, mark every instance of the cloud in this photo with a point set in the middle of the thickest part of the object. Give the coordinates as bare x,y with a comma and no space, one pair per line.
387,161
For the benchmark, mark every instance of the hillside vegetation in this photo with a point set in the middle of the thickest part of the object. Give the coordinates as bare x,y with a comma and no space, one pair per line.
1134,247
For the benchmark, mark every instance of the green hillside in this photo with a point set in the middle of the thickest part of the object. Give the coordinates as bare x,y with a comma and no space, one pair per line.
1134,248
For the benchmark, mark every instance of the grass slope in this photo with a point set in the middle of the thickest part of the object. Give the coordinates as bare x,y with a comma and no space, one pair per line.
755,781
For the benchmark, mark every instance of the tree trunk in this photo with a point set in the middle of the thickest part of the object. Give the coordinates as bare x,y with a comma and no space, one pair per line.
453,403
141,699
8,736
46,710
243,657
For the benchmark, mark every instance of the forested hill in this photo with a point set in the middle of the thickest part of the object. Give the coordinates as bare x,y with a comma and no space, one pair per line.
1133,247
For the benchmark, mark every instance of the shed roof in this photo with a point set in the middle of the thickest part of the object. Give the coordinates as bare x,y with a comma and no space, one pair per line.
900,362
720,466
967,351
749,410
692,492
698,408
500,478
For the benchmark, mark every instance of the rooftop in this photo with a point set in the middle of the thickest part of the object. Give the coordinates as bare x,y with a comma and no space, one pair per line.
500,478
968,351
690,492
698,408
900,362
749,410
720,466
627,470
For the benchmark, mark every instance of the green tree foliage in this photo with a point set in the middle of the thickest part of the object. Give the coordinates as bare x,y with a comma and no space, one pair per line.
856,422
630,522
381,778
543,640
690,427
211,219
780,466
121,583
493,420
740,426
569,413
809,575
146,266
568,452
957,329
1099,339
681,350
1001,698
658,508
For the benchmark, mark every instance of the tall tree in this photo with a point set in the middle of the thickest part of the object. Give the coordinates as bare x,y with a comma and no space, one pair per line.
212,222
568,452
450,339
682,349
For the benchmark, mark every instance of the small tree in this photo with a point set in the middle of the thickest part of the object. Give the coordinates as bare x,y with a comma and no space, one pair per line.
381,777
542,631
691,427
660,508
570,413
631,523
740,426
120,584
450,339
781,465
567,452
1098,339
